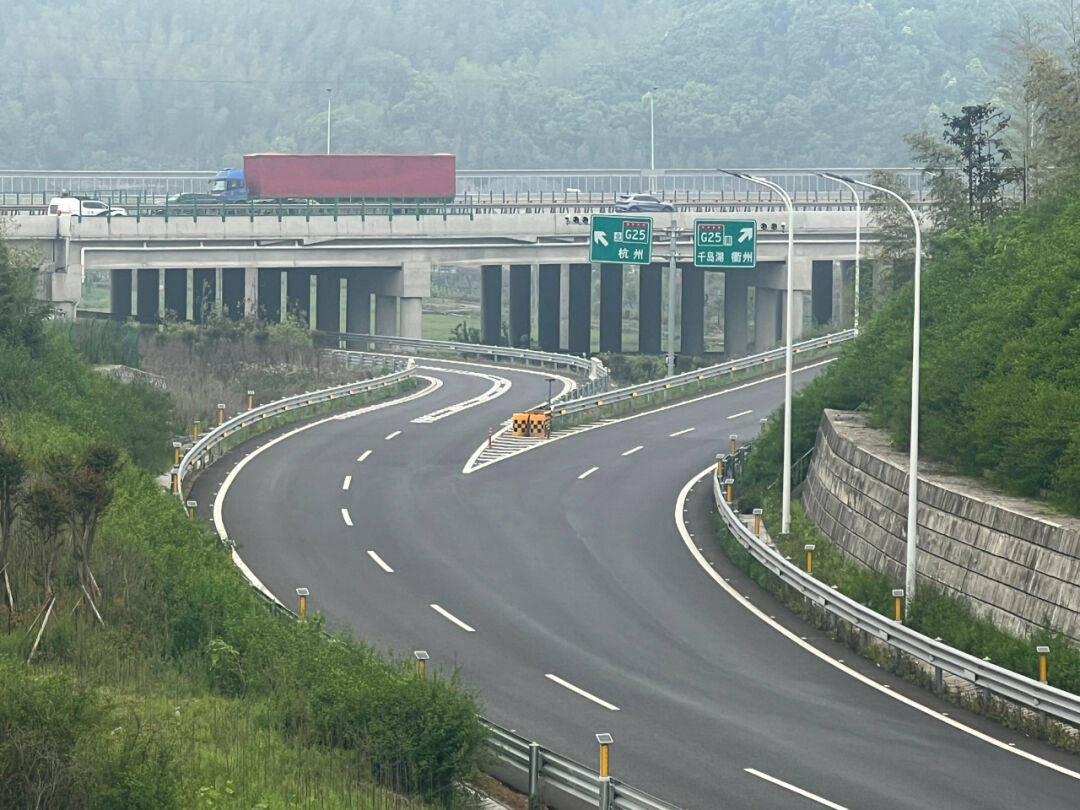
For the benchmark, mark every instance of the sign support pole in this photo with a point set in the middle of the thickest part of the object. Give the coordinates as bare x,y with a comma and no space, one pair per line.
671,302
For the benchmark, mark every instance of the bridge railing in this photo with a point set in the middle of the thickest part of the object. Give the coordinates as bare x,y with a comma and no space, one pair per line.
982,673
588,402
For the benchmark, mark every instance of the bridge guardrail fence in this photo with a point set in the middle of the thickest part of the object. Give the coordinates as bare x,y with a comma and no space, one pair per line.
589,401
998,680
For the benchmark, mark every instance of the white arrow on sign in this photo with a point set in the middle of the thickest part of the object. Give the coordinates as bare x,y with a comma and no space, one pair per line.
601,237
746,233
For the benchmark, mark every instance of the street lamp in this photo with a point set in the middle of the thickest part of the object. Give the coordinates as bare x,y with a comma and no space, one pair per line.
329,92
550,380
785,519
858,235
913,452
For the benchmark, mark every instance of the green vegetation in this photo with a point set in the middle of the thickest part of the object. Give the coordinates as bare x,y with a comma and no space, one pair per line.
158,677
500,84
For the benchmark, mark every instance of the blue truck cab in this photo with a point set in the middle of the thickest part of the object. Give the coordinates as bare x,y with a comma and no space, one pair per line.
229,186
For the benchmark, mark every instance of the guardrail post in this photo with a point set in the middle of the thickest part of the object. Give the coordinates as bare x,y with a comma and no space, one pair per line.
175,479
251,399
898,608
606,794
809,549
303,593
727,484
757,522
1043,651
191,508
534,776
422,658
733,438
221,413
719,464
607,798
176,453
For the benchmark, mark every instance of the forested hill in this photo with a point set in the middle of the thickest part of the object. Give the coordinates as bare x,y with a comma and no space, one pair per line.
502,83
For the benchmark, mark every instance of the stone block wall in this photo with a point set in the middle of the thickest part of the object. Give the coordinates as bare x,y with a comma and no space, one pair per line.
1017,563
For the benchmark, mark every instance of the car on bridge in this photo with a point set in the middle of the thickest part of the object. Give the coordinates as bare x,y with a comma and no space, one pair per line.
642,202
85,208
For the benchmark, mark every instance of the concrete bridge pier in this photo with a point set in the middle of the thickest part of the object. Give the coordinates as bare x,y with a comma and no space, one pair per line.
580,326
736,285
547,309
146,296
692,330
649,300
203,293
564,308
328,300
268,294
120,293
766,318
251,292
176,280
520,305
386,315
298,294
611,296
232,292
491,304
357,302
411,317
821,291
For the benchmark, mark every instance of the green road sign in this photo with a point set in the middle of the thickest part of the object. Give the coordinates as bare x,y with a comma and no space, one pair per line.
626,240
725,243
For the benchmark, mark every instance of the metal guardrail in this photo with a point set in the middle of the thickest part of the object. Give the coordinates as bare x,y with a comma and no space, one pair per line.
548,769
201,453
588,401
1017,688
596,372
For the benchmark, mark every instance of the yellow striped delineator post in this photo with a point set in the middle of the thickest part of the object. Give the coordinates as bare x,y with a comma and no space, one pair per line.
757,522
728,482
809,549
221,413
176,453
195,431
303,593
421,661
251,400
898,609
605,741
719,464
733,438
175,479
1043,651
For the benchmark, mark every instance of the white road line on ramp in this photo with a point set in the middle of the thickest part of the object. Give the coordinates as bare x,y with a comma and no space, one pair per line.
346,517
588,472
688,541
499,386
345,484
579,691
741,413
679,432
786,786
363,456
446,614
390,436
633,450
379,561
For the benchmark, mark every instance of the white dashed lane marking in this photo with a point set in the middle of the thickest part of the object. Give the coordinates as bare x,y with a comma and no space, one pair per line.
588,472
379,561
633,450
680,432
346,517
389,436
448,615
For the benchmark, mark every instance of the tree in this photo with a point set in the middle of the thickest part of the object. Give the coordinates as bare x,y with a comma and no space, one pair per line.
21,314
12,476
977,135
46,515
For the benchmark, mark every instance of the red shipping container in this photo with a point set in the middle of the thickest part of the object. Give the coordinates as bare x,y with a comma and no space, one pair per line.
325,177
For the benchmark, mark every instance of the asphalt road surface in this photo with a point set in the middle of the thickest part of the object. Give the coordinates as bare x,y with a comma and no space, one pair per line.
557,581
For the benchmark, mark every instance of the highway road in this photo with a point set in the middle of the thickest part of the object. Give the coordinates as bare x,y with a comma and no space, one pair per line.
558,582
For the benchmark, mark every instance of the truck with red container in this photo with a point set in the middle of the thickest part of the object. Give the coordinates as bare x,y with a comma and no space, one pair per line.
338,178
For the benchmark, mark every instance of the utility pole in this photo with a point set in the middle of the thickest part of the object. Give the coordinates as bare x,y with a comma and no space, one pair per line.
329,92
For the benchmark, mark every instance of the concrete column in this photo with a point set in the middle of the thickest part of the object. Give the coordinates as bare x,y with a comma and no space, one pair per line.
649,299
692,331
120,294
203,293
491,304
328,300
251,292
736,283
564,307
232,292
411,317
269,294
357,303
176,294
146,298
298,295
821,291
839,270
611,293
520,304
386,315
766,318
580,329
547,309
798,314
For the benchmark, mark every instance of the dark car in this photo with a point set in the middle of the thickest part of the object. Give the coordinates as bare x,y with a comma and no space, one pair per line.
188,202
642,202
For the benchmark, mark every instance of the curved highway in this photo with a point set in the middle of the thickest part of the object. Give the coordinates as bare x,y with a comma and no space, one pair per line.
558,582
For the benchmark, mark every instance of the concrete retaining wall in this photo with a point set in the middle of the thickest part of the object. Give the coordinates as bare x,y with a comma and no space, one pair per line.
1017,563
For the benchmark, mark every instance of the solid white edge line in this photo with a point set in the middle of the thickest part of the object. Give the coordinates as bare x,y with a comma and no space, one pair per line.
219,523
633,450
363,456
688,541
679,432
588,472
499,386
446,614
390,436
346,483
346,517
787,786
579,691
741,413
379,561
